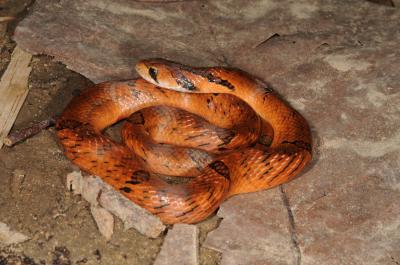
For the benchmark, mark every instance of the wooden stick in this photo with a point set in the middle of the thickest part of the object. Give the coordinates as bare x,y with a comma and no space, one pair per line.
28,132
13,89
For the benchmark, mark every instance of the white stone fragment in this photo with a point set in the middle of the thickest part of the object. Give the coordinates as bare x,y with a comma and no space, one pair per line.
98,193
104,220
10,237
132,215
74,182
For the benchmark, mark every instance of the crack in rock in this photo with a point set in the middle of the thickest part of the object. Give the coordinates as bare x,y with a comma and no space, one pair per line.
292,226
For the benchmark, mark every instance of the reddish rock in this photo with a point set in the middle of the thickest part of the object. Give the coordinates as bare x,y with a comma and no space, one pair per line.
336,61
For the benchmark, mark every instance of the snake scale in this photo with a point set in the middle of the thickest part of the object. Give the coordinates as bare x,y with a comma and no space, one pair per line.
225,129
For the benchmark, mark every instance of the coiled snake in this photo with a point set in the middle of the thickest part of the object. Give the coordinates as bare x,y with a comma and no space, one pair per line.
210,134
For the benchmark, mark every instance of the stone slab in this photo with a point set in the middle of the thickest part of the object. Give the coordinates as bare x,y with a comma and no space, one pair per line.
255,230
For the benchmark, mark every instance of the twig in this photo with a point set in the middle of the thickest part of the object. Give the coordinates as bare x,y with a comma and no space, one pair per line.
28,132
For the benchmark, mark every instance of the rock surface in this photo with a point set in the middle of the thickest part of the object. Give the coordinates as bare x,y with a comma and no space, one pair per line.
181,246
337,62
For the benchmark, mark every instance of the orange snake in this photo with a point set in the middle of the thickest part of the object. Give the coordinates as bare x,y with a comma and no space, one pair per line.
226,146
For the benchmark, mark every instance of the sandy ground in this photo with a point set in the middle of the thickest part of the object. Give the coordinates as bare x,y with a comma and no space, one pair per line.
33,198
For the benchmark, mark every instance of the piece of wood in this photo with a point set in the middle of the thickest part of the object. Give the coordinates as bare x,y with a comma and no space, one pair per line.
25,133
13,90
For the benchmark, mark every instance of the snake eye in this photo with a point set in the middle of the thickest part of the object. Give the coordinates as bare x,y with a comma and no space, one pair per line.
153,74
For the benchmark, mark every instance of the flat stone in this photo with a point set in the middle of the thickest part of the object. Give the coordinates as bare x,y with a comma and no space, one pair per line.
336,62
9,236
255,230
181,246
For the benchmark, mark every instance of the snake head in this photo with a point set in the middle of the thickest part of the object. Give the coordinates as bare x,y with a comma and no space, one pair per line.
162,73
183,78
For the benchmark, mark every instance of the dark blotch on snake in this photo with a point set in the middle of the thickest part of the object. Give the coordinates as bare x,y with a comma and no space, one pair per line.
125,189
219,81
185,83
221,168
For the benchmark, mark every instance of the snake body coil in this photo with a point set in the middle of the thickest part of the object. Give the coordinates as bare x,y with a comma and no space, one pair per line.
225,145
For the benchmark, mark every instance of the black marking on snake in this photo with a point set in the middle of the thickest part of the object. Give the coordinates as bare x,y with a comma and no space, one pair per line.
133,182
219,81
300,144
211,193
201,145
153,74
185,213
161,206
301,162
125,189
221,168
194,136
265,158
266,171
192,202
183,81
268,90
